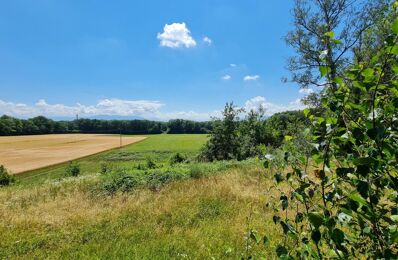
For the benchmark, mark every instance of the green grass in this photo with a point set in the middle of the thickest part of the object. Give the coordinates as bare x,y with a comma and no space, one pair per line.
156,147
189,210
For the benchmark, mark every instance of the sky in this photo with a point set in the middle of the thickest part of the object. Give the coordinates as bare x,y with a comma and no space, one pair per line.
150,59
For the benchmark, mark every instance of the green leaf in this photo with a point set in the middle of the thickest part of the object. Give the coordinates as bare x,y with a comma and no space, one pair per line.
337,236
306,112
394,218
330,34
358,198
316,236
394,26
281,250
316,219
368,72
284,202
324,70
288,138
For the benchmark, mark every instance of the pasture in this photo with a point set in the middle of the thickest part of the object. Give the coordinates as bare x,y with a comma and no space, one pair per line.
26,153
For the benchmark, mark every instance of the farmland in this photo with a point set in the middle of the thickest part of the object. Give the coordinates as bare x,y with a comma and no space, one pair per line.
195,217
25,153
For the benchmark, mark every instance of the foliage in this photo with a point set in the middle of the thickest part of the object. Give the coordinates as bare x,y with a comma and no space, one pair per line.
325,34
342,202
41,125
177,158
5,178
73,169
224,142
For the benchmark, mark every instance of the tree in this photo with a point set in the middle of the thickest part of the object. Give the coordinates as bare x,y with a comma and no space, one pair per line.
224,143
325,34
343,203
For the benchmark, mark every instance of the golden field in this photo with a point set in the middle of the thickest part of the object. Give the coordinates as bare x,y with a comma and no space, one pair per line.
25,153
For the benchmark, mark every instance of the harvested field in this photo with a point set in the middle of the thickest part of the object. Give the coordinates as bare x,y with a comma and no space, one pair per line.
25,153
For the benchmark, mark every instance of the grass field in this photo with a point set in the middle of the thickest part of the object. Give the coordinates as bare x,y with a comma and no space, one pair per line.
157,147
190,210
26,153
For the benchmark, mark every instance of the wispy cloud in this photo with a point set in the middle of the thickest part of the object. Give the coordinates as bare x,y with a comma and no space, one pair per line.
226,77
207,40
306,91
251,78
272,108
176,35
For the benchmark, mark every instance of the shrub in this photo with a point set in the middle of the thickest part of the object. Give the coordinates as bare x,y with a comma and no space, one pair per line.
105,168
5,178
150,164
122,182
197,171
177,158
73,169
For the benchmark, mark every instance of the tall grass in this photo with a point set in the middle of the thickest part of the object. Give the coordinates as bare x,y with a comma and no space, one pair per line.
191,218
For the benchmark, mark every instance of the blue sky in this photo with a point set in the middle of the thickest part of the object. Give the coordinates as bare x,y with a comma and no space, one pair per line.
151,59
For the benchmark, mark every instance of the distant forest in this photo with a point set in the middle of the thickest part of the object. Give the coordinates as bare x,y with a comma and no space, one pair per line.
42,125
273,128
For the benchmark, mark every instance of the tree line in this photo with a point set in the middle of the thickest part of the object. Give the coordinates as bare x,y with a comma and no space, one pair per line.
41,125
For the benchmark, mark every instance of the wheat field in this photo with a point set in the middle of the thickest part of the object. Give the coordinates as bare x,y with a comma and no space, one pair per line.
24,153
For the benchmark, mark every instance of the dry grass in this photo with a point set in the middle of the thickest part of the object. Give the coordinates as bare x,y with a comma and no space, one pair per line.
192,219
25,153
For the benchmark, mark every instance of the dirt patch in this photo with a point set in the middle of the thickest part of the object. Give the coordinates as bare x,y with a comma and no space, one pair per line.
25,153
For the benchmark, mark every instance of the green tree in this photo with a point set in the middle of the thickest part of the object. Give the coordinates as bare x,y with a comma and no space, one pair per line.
224,143
346,204
325,34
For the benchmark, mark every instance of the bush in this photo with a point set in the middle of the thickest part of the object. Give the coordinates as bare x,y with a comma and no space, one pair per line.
5,178
177,158
122,182
150,164
105,168
73,169
197,171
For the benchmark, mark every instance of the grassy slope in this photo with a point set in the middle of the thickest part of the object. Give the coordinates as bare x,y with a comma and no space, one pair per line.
158,147
194,218
198,218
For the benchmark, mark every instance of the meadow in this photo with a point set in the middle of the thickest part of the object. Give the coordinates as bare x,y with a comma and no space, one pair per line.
203,210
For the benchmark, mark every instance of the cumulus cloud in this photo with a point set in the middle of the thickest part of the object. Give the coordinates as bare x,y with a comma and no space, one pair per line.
251,78
108,107
226,77
176,35
306,91
272,108
207,40
138,108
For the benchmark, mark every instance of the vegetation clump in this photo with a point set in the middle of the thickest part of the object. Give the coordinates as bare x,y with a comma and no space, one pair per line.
5,178
73,169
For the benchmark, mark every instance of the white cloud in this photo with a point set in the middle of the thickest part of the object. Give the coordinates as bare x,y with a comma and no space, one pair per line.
306,91
138,108
109,107
233,65
207,40
251,77
226,77
271,108
176,35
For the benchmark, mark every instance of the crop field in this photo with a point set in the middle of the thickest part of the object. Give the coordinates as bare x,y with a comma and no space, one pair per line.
25,153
